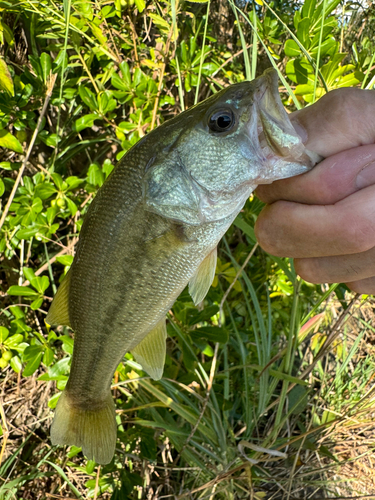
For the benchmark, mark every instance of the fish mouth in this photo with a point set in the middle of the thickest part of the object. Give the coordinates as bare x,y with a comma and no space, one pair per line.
281,148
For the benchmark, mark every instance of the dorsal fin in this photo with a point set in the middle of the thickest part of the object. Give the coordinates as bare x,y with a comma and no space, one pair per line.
150,353
58,313
202,280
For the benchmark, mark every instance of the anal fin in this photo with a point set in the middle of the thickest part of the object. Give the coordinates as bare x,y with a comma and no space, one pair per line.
202,280
58,313
150,353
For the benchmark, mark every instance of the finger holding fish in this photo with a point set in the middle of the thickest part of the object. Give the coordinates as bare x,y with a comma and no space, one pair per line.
324,218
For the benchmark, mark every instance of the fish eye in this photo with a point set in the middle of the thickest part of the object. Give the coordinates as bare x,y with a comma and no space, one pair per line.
221,120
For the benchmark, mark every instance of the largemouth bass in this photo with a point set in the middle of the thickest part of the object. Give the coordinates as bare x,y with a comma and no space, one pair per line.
153,228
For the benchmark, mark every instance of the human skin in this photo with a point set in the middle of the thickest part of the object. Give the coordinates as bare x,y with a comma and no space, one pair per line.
325,218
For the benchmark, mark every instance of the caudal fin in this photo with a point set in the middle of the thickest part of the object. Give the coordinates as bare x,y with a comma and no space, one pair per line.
94,430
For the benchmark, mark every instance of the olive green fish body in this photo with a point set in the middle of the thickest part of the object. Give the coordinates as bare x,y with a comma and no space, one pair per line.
153,228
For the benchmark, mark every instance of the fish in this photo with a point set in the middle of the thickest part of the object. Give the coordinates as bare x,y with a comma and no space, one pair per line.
152,229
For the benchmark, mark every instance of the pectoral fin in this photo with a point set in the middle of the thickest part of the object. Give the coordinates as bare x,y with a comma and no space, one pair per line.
202,280
150,353
58,313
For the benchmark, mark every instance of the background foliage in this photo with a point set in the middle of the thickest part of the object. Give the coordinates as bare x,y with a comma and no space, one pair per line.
269,380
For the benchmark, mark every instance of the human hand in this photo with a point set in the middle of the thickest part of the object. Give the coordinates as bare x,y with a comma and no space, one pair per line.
325,218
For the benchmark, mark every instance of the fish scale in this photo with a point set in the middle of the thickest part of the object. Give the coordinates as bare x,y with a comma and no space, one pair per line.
153,228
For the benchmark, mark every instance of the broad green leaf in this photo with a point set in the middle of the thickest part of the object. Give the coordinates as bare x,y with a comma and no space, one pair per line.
71,206
36,303
308,8
8,141
40,283
292,49
125,71
65,260
300,72
211,333
303,32
59,368
85,121
48,356
27,233
4,332
6,82
29,273
53,400
88,97
14,340
2,187
33,365
22,291
141,4
68,344
44,190
16,364
95,175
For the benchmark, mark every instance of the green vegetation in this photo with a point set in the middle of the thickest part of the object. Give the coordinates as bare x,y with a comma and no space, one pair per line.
265,387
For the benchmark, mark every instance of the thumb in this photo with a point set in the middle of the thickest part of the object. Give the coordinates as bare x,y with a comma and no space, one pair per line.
340,120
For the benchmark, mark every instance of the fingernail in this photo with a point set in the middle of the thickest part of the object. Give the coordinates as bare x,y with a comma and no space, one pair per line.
366,176
300,129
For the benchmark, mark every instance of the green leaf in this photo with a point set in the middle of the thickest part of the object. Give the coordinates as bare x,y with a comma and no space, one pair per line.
303,32
300,72
8,141
308,8
45,190
298,399
53,401
95,175
14,340
6,82
48,356
292,49
33,365
68,344
16,364
46,65
40,283
2,187
22,291
85,121
71,206
4,332
59,368
27,233
141,4
211,333
65,260
246,228
36,303
88,97
29,273
126,76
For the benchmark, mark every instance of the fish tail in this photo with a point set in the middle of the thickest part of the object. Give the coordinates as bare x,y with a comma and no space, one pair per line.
95,430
